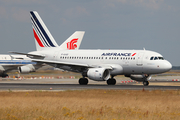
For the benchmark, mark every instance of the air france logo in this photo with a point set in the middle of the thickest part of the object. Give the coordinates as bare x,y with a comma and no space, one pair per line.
134,54
71,45
118,54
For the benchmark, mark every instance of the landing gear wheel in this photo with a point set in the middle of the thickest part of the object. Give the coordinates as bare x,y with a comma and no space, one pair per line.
145,83
4,75
111,81
83,81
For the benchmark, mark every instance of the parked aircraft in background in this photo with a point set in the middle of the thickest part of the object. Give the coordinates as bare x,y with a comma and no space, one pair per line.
44,41
12,62
101,65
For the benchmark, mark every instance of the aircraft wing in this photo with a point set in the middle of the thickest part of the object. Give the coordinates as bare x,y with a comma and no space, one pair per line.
76,67
64,65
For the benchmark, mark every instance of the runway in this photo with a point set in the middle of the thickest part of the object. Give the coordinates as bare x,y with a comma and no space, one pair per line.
72,84
29,86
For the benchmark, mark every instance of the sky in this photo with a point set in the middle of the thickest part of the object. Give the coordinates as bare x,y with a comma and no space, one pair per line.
108,24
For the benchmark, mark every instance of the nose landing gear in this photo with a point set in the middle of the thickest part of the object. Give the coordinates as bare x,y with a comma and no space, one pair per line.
145,83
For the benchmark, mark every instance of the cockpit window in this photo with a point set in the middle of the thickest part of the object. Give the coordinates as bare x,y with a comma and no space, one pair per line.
156,58
161,58
151,58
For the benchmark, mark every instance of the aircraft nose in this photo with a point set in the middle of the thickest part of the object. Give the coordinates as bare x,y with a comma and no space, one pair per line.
167,66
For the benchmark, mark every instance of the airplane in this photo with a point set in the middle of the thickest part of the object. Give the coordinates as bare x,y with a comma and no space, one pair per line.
103,65
44,41
11,62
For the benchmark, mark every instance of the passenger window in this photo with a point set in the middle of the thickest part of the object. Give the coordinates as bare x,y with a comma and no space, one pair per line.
151,58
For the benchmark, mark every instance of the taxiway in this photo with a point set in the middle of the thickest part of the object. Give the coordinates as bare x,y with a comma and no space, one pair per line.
162,82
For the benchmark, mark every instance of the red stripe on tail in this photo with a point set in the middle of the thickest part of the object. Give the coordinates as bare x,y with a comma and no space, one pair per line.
37,39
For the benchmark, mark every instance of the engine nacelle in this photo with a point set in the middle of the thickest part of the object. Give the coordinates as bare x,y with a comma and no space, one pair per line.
98,74
26,69
139,77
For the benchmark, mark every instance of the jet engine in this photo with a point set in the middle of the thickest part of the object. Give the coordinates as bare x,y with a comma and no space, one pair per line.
26,69
139,77
98,74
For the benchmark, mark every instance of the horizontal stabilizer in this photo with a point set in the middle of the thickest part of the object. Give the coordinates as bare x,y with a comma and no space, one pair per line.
29,55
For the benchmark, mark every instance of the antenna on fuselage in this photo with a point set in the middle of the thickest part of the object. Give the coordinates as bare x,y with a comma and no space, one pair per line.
144,48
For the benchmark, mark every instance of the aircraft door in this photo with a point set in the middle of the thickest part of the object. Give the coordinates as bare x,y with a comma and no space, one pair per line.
139,61
55,55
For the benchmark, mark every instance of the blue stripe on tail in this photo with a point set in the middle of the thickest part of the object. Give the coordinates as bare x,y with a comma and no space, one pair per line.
36,28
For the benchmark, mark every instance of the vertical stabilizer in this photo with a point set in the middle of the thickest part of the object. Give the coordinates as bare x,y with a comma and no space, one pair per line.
43,37
73,42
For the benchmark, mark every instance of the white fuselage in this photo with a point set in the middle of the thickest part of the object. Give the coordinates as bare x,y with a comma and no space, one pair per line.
132,61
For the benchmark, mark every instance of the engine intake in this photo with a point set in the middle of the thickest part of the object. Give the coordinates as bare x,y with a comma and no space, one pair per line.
98,74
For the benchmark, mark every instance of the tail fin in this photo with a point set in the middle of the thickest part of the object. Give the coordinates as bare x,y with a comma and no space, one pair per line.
73,42
43,37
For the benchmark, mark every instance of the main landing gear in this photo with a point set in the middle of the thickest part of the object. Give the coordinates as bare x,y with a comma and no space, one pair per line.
111,81
145,83
83,81
4,75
